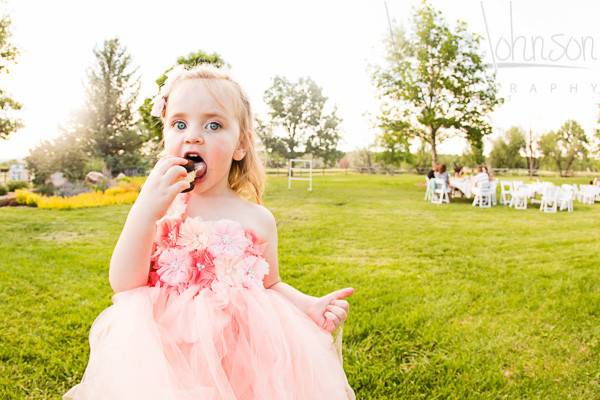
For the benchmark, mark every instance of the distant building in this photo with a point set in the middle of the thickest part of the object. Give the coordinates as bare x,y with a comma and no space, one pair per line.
16,171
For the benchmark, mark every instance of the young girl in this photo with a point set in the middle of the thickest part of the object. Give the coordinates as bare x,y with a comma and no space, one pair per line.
199,310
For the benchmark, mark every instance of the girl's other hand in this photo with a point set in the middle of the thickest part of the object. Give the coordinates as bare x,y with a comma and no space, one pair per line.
166,180
331,310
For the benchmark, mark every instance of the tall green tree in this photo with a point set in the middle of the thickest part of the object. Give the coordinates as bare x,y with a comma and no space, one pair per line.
297,108
64,154
564,147
506,151
151,126
8,106
323,142
435,79
394,140
274,147
108,120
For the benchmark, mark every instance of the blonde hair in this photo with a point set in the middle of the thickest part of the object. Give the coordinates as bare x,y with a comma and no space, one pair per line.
246,176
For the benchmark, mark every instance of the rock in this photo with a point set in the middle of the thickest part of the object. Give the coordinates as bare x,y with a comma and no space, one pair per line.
8,200
94,177
58,179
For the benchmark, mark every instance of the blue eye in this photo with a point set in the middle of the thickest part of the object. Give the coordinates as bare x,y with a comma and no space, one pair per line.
180,125
213,126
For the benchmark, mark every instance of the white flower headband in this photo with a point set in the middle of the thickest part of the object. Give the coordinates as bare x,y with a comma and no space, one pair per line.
159,105
160,101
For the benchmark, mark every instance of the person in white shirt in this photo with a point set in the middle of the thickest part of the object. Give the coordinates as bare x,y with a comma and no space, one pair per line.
480,177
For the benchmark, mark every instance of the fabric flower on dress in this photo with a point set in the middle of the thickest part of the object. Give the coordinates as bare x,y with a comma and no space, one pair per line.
255,269
257,245
230,270
153,277
240,271
227,239
194,234
204,264
175,267
167,230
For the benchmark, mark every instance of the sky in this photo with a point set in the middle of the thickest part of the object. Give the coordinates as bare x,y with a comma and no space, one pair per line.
334,42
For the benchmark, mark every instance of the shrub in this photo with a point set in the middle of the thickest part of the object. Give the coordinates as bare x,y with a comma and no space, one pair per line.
3,190
45,189
14,185
71,189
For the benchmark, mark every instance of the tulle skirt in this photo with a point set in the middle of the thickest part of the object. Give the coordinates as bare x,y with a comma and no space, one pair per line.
237,343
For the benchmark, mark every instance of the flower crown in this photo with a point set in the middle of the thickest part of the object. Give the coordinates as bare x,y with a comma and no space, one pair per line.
159,105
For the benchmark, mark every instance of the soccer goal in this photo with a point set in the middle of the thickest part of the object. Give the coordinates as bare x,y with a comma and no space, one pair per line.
301,167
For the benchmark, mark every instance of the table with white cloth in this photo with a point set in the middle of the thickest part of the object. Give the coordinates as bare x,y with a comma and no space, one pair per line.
465,185
533,189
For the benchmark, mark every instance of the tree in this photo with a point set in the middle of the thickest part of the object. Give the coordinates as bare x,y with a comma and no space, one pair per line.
506,151
435,80
151,126
564,147
298,108
8,54
323,142
394,140
64,154
107,122
275,148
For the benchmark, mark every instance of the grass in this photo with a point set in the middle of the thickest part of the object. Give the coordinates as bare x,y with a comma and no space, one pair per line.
451,301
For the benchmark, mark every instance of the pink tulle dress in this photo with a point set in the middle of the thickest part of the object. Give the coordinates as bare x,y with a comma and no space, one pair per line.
205,328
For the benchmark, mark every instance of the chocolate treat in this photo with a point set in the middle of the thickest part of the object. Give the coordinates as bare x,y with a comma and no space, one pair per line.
191,176
196,168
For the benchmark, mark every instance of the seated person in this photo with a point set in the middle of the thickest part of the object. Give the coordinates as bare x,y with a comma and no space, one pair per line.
488,171
459,172
480,177
443,175
432,171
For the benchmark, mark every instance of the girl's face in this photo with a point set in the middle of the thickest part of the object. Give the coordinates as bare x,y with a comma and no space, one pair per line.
195,122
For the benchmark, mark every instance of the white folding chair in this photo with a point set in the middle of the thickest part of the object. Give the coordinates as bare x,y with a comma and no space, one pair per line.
587,194
577,192
520,196
565,198
506,192
483,195
428,188
549,201
439,193
494,190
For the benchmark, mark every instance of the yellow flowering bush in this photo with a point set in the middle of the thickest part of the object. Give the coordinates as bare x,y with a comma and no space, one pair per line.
125,192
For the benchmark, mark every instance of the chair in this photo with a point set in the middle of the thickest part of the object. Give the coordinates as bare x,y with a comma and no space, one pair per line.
428,188
549,201
483,195
587,194
520,196
439,192
506,192
456,192
565,198
494,189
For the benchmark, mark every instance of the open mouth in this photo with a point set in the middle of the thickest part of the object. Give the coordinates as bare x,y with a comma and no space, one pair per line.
196,168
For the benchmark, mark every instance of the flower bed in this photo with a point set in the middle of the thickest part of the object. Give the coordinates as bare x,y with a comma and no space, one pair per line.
125,192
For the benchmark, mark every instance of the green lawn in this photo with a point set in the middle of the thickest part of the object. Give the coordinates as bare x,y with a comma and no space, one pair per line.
451,301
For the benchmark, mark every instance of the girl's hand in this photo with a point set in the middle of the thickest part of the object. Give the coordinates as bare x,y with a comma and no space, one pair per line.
165,181
331,310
